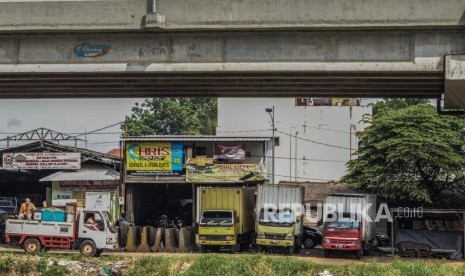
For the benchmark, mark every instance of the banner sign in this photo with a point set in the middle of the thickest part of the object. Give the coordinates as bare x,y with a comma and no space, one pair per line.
222,172
42,160
154,159
230,153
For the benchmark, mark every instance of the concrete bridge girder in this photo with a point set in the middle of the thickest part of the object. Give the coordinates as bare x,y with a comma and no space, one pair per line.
390,50
134,15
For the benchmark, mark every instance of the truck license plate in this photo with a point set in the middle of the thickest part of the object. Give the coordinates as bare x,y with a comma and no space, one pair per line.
339,245
274,242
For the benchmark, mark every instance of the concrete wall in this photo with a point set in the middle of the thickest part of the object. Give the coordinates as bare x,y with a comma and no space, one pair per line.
135,15
181,14
326,135
72,15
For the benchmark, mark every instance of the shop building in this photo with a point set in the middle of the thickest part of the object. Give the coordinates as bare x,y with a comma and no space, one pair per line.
44,166
161,173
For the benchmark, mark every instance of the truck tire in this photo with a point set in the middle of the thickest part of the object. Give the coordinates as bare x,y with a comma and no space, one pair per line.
203,249
32,245
309,243
290,250
327,253
88,248
358,254
235,248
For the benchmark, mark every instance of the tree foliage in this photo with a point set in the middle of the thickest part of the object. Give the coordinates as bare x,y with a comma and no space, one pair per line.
409,155
388,104
174,116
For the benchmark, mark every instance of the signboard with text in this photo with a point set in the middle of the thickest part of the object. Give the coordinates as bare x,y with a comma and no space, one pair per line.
42,161
154,159
215,173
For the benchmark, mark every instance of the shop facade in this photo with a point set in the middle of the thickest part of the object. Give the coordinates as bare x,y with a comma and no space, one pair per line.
161,173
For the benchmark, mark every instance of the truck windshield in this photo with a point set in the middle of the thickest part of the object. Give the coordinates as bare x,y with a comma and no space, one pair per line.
343,224
108,219
217,218
283,218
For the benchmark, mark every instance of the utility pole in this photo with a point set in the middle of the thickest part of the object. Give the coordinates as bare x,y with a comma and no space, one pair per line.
271,112
295,176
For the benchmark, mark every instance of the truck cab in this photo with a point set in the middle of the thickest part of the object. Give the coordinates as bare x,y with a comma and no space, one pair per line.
344,234
276,229
67,229
95,237
218,228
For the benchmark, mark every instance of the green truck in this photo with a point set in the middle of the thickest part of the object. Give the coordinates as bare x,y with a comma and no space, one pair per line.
279,225
225,218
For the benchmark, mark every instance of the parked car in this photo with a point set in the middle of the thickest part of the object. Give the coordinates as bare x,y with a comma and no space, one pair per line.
381,240
311,237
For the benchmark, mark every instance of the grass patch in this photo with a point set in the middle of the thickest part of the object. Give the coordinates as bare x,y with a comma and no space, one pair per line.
248,265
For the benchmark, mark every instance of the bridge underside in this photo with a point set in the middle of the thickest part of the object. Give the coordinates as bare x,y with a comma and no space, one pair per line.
220,84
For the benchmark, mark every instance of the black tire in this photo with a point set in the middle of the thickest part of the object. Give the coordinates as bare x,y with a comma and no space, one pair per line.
98,253
235,248
358,254
290,250
32,246
375,242
309,243
244,246
88,248
259,248
203,249
326,253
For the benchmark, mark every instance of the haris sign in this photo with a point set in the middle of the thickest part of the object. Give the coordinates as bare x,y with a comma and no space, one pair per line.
91,50
150,157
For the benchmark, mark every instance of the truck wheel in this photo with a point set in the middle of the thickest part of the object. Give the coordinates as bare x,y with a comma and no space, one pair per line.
98,253
327,253
203,249
32,245
358,254
88,248
309,243
235,248
290,250
245,246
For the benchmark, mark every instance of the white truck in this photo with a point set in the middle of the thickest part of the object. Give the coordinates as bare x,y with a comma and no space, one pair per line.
73,232
349,223
279,217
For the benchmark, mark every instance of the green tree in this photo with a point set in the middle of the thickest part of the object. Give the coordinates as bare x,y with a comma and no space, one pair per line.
174,116
409,156
388,104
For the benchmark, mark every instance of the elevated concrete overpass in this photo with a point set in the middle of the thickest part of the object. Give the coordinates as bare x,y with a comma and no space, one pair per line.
265,48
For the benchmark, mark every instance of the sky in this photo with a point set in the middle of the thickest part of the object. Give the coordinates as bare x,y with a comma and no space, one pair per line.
70,116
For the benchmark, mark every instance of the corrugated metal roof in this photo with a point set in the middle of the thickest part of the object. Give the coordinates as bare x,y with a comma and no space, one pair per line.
85,174
204,138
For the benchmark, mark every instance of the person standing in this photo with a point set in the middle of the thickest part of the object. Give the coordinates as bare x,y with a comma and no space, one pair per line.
27,209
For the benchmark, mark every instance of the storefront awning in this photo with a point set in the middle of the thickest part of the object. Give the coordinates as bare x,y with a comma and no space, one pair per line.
85,174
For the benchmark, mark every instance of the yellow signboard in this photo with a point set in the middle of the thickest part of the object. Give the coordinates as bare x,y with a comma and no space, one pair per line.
222,172
153,158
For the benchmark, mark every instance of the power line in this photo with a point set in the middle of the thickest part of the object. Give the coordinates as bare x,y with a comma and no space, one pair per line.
319,128
90,132
312,141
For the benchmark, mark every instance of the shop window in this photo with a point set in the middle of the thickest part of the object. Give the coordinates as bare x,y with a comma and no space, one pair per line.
201,151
